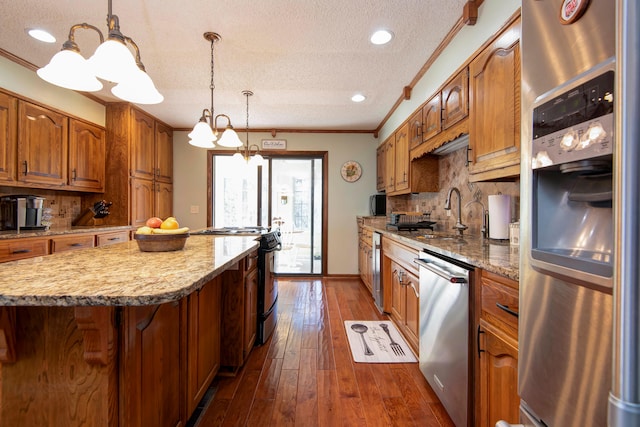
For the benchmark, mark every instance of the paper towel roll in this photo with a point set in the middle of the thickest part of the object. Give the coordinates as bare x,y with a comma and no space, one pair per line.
499,216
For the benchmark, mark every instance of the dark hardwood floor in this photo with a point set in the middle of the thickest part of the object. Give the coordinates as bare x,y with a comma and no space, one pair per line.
305,376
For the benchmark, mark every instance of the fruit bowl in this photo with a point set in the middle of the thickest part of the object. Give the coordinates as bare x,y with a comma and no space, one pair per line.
161,242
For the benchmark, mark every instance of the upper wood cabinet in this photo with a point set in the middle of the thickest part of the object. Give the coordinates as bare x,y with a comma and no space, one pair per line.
42,146
455,99
415,130
142,145
389,164
164,153
432,117
380,167
86,156
401,165
8,129
494,134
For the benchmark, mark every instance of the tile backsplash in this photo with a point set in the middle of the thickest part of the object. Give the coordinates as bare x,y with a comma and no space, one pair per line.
454,173
64,207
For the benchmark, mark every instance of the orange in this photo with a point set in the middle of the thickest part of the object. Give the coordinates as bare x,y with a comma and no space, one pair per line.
170,224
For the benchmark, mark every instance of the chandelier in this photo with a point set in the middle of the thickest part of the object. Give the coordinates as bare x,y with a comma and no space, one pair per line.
112,61
204,133
244,153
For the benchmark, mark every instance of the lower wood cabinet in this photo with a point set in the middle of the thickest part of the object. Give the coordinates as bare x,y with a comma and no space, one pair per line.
15,249
239,312
152,371
203,340
111,238
71,242
402,289
497,378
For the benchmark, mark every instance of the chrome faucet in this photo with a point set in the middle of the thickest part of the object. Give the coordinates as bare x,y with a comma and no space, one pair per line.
485,218
460,227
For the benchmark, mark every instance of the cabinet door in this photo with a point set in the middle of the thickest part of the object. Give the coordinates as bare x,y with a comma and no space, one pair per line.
455,103
494,134
142,145
389,164
250,310
14,249
106,239
86,156
142,201
380,167
164,153
412,309
152,374
203,341
163,200
8,129
42,146
72,242
415,130
499,398
397,293
432,117
402,159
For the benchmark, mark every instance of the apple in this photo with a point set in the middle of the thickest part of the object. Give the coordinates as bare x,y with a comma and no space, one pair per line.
144,230
154,222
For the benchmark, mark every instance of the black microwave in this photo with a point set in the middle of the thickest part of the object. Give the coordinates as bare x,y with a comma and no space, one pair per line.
378,205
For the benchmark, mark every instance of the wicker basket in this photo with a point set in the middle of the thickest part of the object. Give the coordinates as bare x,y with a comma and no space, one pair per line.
161,242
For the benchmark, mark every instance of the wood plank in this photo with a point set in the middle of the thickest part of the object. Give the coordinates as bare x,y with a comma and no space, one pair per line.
294,342
261,411
307,395
329,409
375,413
240,406
269,380
414,399
399,413
284,411
352,412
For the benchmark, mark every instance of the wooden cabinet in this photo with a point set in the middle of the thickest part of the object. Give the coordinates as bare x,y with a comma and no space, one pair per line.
415,130
15,249
203,346
401,165
431,117
8,135
401,287
455,99
86,156
140,167
72,242
494,134
111,238
42,146
497,378
380,167
365,256
389,164
239,312
152,365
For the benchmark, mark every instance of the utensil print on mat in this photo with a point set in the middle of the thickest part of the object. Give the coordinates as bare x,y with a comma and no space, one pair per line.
361,329
397,349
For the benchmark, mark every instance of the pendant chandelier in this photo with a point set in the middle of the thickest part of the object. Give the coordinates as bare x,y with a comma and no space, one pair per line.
112,61
205,133
244,153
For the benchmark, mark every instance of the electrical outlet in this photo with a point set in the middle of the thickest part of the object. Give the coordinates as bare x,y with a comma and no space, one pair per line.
195,209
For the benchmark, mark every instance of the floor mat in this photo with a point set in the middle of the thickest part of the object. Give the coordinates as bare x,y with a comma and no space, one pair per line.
377,342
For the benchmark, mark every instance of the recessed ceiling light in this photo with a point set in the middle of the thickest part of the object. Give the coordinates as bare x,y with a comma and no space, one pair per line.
381,37
358,97
42,35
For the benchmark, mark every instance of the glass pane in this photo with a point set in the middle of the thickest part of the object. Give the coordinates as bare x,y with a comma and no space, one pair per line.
296,210
235,194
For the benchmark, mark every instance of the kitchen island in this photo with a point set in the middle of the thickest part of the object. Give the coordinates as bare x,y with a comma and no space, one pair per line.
112,336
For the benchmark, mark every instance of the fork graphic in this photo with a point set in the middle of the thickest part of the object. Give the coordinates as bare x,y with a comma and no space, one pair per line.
397,349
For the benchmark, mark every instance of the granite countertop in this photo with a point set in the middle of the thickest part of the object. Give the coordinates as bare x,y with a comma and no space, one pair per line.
12,234
120,274
494,256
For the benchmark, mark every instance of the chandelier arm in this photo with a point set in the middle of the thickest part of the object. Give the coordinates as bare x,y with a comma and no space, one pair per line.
70,44
216,121
137,50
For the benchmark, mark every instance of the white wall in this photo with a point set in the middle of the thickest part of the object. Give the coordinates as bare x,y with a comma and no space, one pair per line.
25,82
491,16
346,200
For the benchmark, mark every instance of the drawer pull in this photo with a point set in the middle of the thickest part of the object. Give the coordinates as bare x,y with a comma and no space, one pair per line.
21,251
75,244
507,309
111,239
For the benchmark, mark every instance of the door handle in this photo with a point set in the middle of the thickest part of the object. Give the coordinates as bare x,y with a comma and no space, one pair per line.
479,331
507,309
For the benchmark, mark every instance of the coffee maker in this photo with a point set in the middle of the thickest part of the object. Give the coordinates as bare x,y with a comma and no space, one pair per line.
21,212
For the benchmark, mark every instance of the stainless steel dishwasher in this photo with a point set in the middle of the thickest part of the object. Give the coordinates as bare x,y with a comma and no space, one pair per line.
444,331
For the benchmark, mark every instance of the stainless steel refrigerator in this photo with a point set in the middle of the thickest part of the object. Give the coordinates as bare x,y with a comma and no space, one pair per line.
578,326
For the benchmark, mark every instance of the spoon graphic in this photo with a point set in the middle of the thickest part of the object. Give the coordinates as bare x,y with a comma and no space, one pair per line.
361,329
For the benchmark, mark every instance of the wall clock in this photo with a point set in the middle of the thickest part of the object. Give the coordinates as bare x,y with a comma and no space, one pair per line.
351,171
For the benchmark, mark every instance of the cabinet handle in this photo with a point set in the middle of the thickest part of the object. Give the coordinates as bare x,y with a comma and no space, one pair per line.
75,244
73,174
478,340
415,291
507,309
25,167
111,239
21,251
157,172
400,274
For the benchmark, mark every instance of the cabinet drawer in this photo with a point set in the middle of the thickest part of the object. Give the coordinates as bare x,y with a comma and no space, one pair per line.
68,243
11,250
500,299
251,261
111,238
403,255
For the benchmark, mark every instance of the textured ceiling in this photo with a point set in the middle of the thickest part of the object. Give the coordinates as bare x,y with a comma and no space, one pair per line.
303,59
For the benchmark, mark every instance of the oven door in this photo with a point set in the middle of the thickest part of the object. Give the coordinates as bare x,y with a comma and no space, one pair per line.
270,284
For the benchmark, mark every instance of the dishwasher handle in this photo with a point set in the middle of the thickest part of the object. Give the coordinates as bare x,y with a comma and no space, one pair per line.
450,276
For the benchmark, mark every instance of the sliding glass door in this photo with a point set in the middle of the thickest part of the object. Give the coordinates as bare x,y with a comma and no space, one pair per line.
286,192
